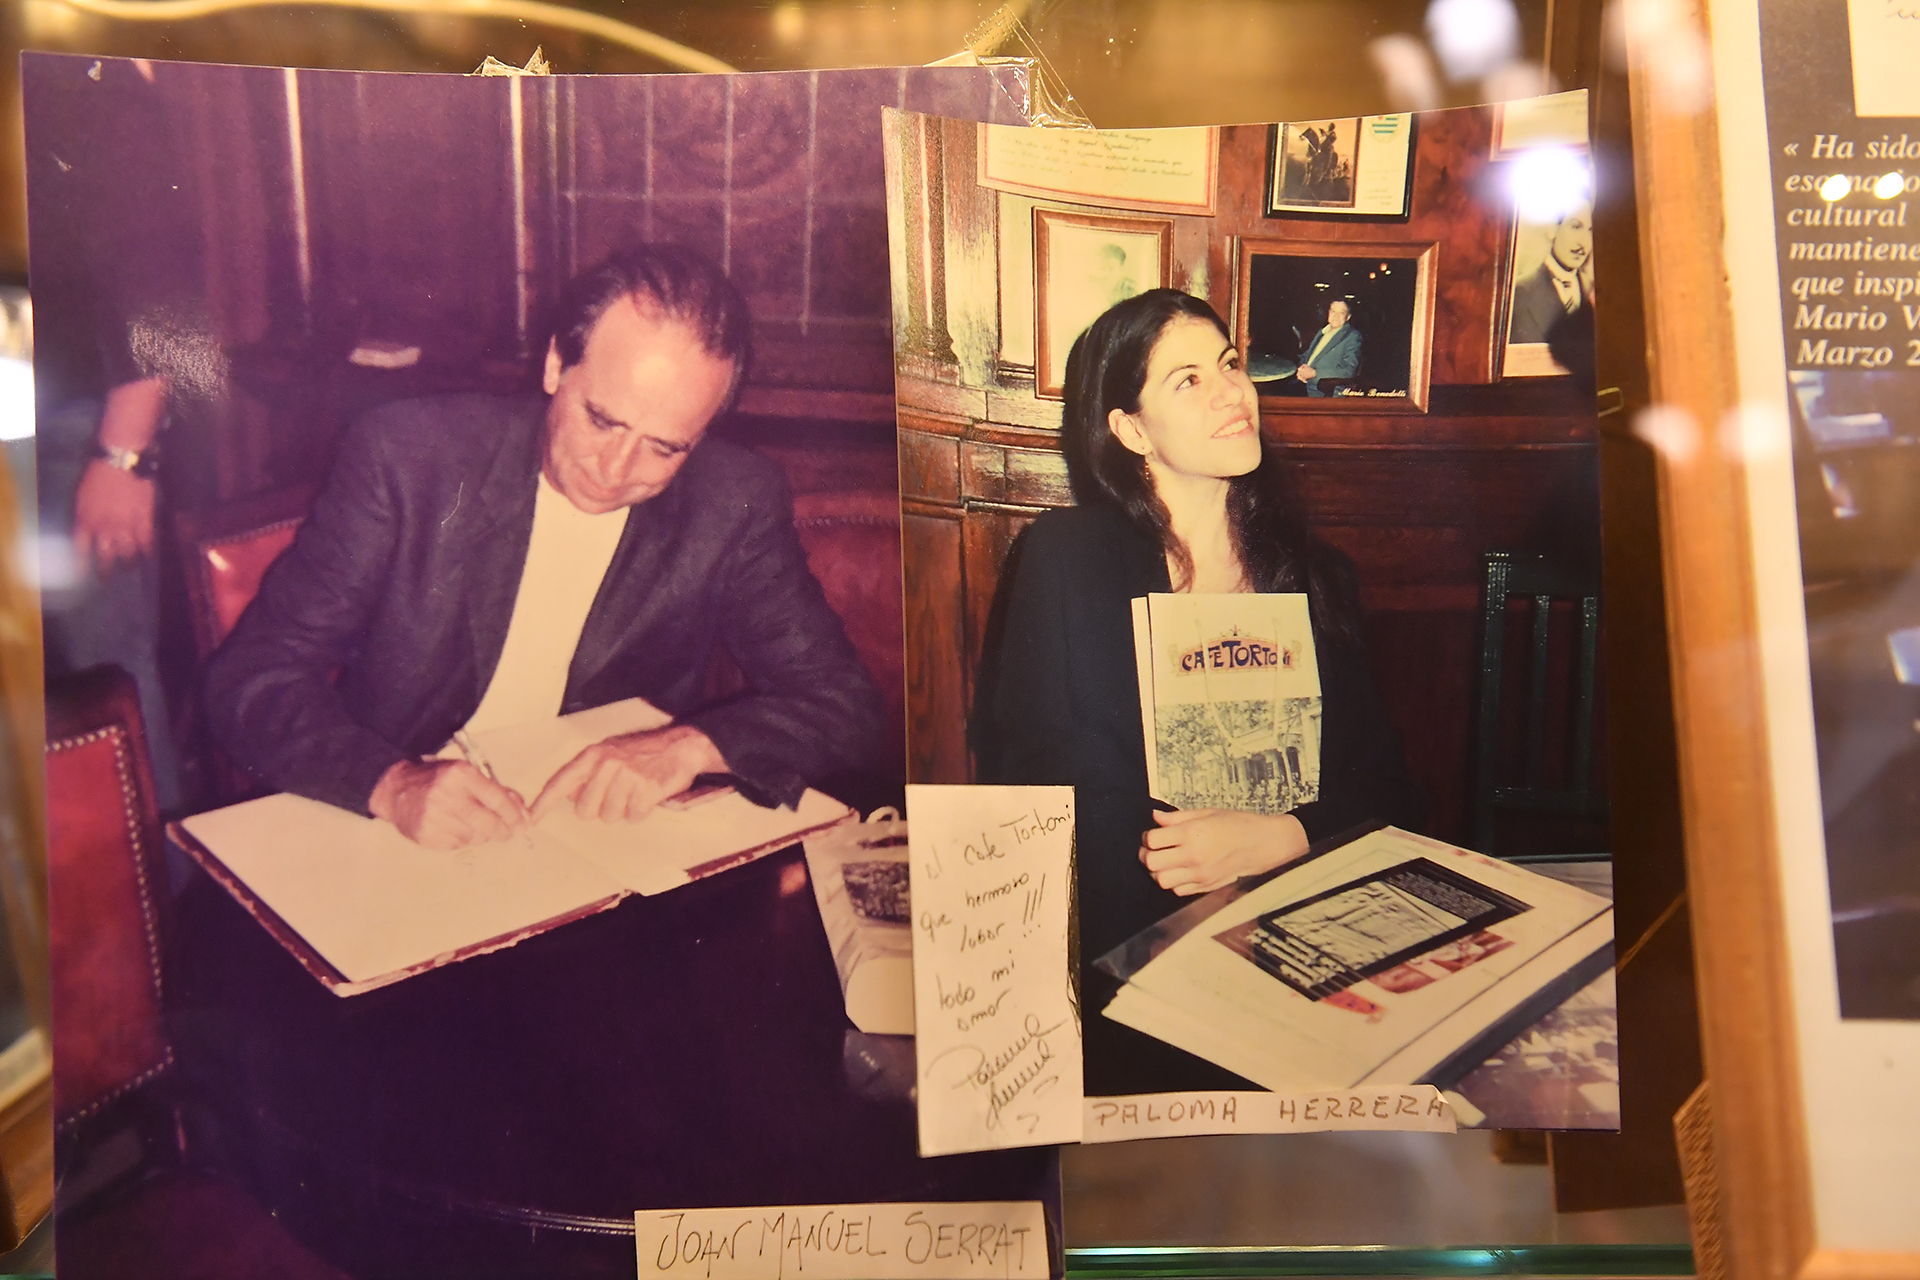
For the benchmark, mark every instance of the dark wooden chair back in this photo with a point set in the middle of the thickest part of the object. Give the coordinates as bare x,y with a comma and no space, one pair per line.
105,879
1540,583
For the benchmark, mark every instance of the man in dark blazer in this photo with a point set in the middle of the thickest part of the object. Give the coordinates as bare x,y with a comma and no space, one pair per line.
375,638
1562,285
1334,353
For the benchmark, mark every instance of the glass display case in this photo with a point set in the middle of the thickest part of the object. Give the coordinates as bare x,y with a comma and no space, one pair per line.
1480,1202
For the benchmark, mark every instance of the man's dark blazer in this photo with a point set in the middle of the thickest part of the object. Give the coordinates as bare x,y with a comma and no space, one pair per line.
374,636
1537,307
1339,362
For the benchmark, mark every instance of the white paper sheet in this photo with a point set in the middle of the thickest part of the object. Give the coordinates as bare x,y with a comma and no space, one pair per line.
956,1241
997,1037
1418,1108
1886,47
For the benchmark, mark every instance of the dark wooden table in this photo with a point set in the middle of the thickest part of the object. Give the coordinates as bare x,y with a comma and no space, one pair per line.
508,1114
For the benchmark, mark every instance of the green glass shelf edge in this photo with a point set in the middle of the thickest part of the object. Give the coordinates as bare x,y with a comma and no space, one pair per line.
1384,1260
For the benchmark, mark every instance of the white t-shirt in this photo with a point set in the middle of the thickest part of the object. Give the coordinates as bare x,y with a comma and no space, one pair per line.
567,556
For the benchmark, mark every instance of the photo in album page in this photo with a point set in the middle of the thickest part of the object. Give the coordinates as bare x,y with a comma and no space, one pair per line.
1228,501
470,524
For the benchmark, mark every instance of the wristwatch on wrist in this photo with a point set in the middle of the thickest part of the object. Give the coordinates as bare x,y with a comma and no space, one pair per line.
139,463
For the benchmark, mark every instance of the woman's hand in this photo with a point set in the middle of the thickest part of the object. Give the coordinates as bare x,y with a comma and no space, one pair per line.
1199,850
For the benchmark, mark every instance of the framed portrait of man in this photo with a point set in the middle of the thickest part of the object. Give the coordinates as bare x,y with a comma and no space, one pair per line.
1338,324
1082,264
1550,301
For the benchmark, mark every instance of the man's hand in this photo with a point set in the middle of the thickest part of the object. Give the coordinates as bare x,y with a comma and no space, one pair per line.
1199,850
624,777
446,804
1305,373
112,516
113,511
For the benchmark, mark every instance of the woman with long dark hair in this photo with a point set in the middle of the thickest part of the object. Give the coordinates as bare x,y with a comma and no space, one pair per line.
1175,493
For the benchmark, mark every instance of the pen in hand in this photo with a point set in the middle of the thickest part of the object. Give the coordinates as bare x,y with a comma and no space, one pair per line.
471,753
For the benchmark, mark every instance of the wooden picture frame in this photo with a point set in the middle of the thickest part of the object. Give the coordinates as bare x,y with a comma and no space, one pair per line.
1812,1113
1376,153
1281,287
1083,263
1531,356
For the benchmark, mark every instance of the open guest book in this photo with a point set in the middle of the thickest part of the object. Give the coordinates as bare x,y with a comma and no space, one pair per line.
361,906
1393,959
1229,700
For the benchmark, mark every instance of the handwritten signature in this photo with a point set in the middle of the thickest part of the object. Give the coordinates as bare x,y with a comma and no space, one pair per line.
1026,1058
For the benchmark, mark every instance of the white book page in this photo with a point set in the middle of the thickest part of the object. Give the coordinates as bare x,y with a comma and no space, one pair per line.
658,852
371,901
525,756
669,847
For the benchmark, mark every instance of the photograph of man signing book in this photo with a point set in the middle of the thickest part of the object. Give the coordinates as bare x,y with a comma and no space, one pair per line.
477,562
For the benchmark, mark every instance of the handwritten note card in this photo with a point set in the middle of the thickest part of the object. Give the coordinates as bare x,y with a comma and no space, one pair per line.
1005,1240
997,1036
1165,169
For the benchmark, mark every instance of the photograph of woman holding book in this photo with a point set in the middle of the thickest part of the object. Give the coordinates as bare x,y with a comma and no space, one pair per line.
1175,493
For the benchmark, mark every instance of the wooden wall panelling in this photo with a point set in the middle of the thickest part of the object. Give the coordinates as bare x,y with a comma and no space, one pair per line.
930,457
1017,404
987,534
1416,524
938,684
407,190
932,576
972,279
925,335
1005,464
1424,665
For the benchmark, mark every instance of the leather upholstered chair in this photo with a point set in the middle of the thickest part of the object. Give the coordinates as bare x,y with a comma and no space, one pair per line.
130,1203
852,539
227,551
224,552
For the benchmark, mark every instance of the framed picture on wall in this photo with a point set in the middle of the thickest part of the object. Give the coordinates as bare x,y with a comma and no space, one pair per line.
1083,263
1337,325
1358,166
1550,292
